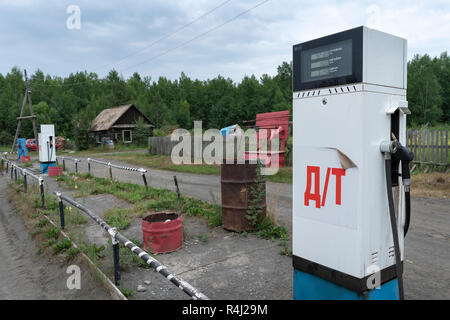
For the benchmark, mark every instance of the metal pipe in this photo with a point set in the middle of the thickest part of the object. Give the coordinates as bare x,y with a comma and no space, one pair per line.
41,186
25,187
61,210
116,255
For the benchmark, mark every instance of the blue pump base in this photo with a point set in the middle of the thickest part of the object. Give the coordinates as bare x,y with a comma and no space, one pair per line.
310,287
45,166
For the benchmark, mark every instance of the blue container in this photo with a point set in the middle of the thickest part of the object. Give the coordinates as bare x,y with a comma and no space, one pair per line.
45,166
21,148
310,287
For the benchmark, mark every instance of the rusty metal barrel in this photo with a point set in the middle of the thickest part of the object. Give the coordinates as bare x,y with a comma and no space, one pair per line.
237,180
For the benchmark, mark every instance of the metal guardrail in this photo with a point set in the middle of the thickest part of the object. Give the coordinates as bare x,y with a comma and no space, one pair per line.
117,237
13,167
110,166
68,158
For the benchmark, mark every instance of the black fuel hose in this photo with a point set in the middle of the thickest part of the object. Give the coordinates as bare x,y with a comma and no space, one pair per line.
407,213
398,262
404,155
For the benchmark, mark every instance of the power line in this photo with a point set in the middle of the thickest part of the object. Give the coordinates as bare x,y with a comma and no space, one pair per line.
169,34
180,45
197,37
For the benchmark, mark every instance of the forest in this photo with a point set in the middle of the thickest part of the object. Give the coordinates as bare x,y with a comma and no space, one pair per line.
71,103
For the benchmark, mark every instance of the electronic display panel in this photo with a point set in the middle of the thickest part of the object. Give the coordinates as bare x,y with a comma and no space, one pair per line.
328,61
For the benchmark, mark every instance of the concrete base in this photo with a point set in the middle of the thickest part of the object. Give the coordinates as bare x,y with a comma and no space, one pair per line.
310,287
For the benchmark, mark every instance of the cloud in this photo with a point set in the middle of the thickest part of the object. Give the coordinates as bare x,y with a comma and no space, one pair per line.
34,33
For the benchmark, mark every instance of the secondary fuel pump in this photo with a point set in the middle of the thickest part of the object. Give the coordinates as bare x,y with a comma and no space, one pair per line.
349,125
47,147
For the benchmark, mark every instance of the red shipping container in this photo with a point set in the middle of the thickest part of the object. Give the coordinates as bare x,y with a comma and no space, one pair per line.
54,171
24,159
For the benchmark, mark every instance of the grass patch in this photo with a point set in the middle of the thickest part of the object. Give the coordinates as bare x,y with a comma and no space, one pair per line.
163,162
126,292
145,200
61,246
118,217
430,185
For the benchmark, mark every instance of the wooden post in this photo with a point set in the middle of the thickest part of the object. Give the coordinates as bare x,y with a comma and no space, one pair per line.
32,116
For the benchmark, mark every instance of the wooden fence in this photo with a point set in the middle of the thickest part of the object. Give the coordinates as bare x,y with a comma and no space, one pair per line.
428,146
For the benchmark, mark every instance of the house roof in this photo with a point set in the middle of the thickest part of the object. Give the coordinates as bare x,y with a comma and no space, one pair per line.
106,119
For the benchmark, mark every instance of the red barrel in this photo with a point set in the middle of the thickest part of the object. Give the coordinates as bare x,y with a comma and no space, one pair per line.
54,171
163,231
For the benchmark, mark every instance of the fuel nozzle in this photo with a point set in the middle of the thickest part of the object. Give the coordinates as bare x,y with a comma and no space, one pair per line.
405,156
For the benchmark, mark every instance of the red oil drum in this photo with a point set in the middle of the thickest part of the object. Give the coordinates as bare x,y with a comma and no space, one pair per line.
54,171
162,232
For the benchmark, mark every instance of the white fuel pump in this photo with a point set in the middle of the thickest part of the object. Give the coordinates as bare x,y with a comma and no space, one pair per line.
349,103
47,148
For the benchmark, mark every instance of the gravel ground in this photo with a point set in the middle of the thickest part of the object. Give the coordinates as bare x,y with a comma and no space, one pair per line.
427,245
220,266
24,274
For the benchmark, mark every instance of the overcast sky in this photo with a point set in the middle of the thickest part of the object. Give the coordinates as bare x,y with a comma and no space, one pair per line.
34,34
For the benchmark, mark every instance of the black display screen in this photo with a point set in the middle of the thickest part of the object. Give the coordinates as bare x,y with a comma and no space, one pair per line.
328,61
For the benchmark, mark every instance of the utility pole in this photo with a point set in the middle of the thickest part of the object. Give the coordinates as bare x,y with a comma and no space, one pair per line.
26,98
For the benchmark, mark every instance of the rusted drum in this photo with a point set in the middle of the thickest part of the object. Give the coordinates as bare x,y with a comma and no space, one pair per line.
162,232
237,180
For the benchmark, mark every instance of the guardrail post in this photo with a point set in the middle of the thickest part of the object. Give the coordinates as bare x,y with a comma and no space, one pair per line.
110,170
89,166
12,173
142,171
2,163
24,181
41,186
61,210
115,244
76,165
64,164
178,189
15,174
7,166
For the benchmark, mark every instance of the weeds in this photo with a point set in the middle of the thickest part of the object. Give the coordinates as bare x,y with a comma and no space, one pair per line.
52,233
203,237
126,292
62,245
118,217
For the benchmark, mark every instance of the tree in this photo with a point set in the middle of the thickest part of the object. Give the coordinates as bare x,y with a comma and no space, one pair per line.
81,126
140,135
423,91
442,71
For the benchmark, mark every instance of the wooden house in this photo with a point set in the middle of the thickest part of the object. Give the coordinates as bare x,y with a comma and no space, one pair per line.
118,124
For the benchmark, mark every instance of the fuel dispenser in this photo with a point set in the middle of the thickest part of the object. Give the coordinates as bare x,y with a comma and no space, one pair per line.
21,148
47,148
350,211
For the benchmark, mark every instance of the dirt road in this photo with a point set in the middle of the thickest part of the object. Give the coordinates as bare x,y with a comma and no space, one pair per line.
24,274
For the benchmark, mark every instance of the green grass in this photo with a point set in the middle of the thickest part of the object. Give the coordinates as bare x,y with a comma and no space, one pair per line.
61,246
98,150
163,162
144,200
118,218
